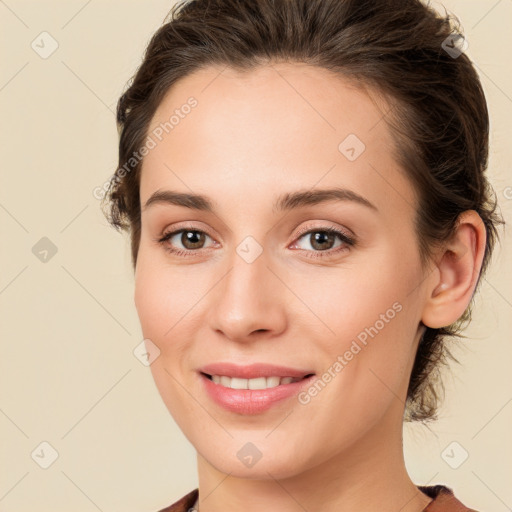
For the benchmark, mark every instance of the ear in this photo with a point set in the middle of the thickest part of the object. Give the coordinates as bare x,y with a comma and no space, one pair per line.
456,273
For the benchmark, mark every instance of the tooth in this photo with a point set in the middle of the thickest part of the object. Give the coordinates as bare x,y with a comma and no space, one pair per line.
257,383
286,380
216,379
272,382
237,383
225,381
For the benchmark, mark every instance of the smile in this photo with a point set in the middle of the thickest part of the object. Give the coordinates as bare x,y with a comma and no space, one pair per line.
252,396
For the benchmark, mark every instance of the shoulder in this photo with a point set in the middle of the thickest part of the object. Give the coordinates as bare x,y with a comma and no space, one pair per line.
444,500
184,504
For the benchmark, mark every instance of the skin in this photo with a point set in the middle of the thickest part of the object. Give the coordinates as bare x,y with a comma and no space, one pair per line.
252,137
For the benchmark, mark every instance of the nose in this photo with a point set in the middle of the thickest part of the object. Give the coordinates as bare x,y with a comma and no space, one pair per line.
249,302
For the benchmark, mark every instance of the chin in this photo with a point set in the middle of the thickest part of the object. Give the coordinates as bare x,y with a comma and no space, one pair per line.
261,460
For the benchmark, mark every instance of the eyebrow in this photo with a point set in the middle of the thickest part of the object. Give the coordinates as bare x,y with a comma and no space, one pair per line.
286,202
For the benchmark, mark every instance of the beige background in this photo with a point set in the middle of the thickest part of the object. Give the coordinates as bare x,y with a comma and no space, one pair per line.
68,374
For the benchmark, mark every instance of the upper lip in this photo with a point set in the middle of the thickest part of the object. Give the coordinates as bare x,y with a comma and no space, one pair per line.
252,371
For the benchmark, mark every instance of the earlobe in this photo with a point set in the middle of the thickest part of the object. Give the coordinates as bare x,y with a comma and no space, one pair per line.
458,268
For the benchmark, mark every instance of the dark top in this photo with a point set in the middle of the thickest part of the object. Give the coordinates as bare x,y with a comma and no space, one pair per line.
443,501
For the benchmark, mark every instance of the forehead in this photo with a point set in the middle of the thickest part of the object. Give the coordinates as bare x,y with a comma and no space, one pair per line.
286,125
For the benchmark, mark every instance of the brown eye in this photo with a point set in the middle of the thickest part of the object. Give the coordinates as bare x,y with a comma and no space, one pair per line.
322,240
184,241
192,239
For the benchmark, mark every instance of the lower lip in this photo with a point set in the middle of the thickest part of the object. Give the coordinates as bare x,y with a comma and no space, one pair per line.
252,401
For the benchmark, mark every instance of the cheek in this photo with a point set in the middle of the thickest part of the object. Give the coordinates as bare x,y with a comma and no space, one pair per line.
367,356
168,300
161,295
158,307
372,317
352,300
150,301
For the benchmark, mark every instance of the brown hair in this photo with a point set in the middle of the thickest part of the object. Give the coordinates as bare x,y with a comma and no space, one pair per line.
399,47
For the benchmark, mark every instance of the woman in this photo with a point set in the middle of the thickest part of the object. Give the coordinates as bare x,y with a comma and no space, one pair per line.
303,182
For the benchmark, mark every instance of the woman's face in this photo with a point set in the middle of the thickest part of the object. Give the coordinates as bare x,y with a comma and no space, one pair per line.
258,279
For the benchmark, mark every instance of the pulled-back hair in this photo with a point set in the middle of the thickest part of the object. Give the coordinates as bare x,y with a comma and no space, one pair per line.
403,49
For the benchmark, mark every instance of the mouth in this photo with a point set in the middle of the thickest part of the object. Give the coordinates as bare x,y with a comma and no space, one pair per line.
254,390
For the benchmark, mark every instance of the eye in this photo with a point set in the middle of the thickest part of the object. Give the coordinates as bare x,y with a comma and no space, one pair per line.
190,239
323,240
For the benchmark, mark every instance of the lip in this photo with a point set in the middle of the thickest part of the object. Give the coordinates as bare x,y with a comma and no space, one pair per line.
253,371
252,401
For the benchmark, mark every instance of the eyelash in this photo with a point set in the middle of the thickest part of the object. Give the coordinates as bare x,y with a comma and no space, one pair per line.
347,241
